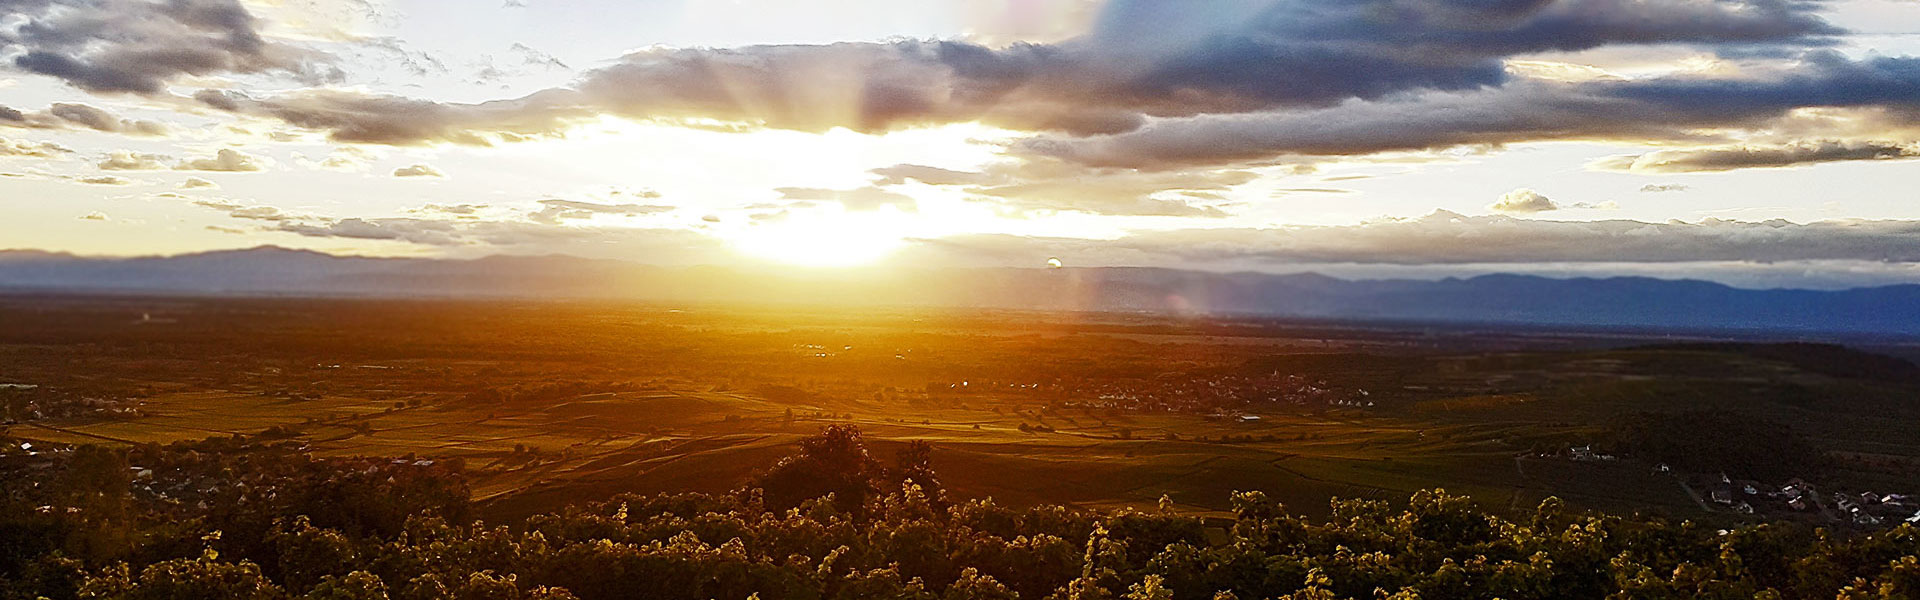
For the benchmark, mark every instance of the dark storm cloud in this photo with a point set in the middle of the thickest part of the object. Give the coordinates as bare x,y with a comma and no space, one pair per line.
1669,108
138,46
1143,59
1826,79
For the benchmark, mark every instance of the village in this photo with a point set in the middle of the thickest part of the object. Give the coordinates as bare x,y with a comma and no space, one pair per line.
189,479
1793,499
22,402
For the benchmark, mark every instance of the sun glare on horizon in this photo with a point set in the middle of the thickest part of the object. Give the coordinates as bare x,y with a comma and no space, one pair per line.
826,240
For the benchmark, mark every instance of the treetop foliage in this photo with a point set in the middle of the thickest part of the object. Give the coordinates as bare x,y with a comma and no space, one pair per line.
832,522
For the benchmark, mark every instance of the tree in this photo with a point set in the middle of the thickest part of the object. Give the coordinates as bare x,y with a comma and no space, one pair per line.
184,579
358,585
97,483
308,555
1149,589
974,586
833,462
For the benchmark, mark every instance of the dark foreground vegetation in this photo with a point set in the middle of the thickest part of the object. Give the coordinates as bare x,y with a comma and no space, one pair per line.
255,518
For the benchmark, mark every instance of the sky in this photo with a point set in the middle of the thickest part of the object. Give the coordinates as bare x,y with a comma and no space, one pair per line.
1759,143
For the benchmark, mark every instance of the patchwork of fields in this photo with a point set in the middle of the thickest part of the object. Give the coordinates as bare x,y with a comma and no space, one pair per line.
584,402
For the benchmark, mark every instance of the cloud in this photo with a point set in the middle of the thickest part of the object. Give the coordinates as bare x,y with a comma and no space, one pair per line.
357,117
1445,238
94,216
1655,188
126,160
1523,201
1678,108
417,231
104,180
1727,158
1118,194
343,158
81,116
395,51
254,212
535,58
553,211
418,170
541,228
451,209
658,246
138,46
226,160
1143,60
196,183
1043,185
30,149
862,199
899,174
489,72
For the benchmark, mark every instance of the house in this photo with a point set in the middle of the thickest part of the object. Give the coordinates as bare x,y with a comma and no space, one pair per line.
1662,468
1743,508
1800,504
1721,495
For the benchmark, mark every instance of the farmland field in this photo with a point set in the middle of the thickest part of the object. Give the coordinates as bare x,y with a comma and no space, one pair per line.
544,405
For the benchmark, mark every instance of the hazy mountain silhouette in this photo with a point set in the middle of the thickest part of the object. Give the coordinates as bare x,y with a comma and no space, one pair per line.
1617,301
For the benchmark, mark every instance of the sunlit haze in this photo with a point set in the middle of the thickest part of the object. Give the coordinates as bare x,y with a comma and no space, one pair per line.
959,299
1657,138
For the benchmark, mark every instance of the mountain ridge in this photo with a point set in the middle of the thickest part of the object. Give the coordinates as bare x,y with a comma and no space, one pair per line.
1493,298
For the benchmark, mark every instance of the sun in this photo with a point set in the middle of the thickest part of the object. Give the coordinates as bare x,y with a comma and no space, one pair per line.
823,240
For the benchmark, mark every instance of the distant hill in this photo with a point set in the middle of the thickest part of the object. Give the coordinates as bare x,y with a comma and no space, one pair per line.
1509,299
